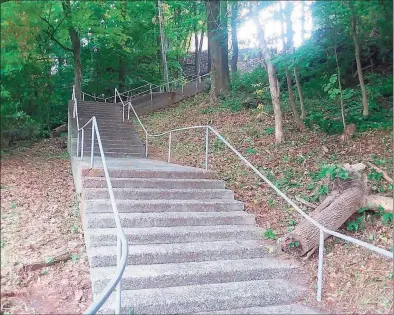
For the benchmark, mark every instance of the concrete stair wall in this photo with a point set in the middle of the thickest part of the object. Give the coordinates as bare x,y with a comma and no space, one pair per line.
192,248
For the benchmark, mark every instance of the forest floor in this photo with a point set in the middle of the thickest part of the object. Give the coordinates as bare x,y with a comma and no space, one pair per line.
39,219
356,281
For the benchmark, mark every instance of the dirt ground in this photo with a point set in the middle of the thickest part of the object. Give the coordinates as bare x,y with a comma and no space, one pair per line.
40,219
356,281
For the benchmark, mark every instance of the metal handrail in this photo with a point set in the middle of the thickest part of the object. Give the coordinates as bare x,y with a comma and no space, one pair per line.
321,228
161,87
122,245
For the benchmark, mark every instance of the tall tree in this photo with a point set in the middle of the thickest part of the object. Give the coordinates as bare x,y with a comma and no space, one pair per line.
163,46
272,79
358,60
290,50
218,48
234,37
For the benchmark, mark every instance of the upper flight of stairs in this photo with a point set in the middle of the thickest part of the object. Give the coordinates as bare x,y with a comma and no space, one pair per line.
192,248
119,138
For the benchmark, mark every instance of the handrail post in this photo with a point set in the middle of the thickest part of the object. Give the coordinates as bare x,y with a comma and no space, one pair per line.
320,267
118,289
146,145
169,147
196,85
78,144
128,111
82,140
206,147
182,87
123,112
92,145
83,96
115,96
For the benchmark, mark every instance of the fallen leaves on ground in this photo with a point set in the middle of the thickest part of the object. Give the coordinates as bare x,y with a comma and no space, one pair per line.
355,279
40,217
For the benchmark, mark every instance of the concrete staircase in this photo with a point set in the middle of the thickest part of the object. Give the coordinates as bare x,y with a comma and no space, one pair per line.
192,247
119,139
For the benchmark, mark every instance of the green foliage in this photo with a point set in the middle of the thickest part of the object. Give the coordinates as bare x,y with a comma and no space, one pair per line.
270,234
374,175
356,225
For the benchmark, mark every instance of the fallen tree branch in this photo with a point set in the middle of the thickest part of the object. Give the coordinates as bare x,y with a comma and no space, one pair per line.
374,201
306,203
385,175
61,256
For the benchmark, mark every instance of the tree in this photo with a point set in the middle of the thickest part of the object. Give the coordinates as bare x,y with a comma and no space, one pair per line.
273,81
163,46
234,37
358,60
218,47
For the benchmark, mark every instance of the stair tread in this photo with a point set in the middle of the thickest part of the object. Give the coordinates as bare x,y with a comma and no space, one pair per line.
207,297
274,309
201,268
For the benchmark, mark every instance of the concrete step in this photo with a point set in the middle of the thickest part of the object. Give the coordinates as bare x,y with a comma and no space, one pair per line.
125,149
191,273
135,206
206,297
99,182
121,154
152,173
275,309
146,193
135,220
173,234
179,252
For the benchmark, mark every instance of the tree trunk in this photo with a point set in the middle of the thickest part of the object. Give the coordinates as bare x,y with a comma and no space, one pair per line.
282,29
218,46
289,27
340,88
234,37
122,73
76,50
199,53
358,61
302,21
300,94
297,119
332,213
163,47
273,81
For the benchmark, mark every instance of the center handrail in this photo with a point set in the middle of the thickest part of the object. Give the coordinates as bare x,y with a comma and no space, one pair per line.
122,244
321,228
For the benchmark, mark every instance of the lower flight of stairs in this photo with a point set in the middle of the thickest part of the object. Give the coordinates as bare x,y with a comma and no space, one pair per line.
192,248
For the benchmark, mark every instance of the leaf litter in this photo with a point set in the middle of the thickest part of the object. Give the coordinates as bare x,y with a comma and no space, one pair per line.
356,281
39,218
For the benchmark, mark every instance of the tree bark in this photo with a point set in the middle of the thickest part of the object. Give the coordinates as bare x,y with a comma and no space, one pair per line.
234,37
300,93
297,119
358,61
218,46
273,81
76,50
163,47
199,52
331,214
302,21
289,27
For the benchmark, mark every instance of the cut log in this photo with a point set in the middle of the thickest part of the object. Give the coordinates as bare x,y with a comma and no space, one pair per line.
58,130
332,213
374,201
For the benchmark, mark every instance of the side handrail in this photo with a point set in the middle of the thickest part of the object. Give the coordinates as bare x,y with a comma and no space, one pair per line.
322,229
122,244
